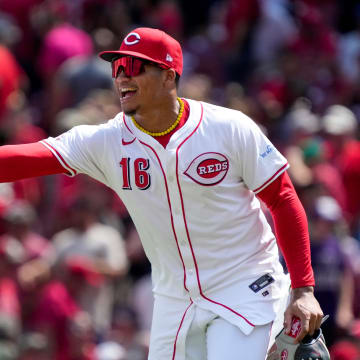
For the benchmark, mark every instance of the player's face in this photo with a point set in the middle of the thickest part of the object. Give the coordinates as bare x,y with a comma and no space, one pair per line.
138,84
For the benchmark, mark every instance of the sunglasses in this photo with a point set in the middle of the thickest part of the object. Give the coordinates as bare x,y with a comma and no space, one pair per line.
131,66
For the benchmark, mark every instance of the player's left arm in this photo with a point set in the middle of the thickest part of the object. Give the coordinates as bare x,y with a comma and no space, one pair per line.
291,229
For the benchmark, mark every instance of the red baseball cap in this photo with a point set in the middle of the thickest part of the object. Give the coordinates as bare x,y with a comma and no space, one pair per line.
149,44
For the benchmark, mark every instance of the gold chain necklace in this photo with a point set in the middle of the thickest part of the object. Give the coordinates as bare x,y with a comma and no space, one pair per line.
172,127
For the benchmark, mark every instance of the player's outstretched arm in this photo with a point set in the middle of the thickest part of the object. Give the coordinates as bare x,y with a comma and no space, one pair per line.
28,160
293,238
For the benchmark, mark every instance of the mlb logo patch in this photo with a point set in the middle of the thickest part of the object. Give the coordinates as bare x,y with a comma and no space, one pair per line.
262,282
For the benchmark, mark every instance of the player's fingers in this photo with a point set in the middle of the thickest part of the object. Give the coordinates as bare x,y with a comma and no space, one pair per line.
315,322
305,326
312,324
320,319
287,321
301,335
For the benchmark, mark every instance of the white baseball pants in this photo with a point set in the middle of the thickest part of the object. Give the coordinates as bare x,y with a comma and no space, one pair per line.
202,335
213,338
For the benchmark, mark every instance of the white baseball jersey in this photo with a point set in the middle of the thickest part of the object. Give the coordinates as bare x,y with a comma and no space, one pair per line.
194,206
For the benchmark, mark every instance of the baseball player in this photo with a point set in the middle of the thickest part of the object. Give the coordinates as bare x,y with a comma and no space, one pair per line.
191,175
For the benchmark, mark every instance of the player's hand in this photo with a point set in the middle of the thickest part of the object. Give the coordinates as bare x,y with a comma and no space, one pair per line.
304,306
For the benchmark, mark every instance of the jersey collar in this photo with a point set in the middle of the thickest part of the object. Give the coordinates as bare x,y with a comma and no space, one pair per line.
191,124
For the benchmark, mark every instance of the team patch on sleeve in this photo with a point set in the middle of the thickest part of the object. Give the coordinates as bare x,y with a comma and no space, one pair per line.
208,169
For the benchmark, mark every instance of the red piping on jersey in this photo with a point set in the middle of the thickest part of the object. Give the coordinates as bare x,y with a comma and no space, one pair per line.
171,215
187,230
126,124
178,330
60,156
128,142
266,182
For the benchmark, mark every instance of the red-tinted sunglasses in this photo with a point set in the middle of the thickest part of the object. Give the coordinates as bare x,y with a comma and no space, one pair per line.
131,66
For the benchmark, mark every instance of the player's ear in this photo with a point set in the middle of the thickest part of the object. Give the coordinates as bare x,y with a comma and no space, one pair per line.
169,78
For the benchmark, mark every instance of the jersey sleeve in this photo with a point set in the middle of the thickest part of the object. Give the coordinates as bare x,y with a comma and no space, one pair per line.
261,163
80,150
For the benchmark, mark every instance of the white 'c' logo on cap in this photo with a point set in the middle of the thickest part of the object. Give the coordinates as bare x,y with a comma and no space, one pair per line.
132,42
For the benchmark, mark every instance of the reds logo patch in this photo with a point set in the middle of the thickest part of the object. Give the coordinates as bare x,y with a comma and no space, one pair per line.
284,354
208,169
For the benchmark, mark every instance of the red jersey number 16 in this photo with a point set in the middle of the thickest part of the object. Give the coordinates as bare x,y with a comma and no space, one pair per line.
141,176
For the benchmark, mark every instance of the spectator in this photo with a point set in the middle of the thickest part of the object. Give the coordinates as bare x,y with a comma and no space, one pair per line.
125,332
57,315
61,43
10,307
349,54
332,272
110,351
276,28
25,243
101,247
11,78
80,76
344,350
340,126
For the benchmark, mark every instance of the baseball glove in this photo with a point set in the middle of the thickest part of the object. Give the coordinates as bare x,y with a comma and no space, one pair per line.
310,348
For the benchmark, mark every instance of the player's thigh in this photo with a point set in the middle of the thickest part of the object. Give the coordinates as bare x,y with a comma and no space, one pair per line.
226,341
196,345
170,323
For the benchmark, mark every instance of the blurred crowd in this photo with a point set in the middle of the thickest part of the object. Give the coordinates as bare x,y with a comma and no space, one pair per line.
74,280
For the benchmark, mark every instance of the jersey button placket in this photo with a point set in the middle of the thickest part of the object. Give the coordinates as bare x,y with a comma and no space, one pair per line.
179,224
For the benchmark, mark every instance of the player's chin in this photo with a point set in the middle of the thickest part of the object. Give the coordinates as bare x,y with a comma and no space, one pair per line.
129,110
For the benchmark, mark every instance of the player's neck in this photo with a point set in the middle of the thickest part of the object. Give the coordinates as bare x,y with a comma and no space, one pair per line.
158,117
